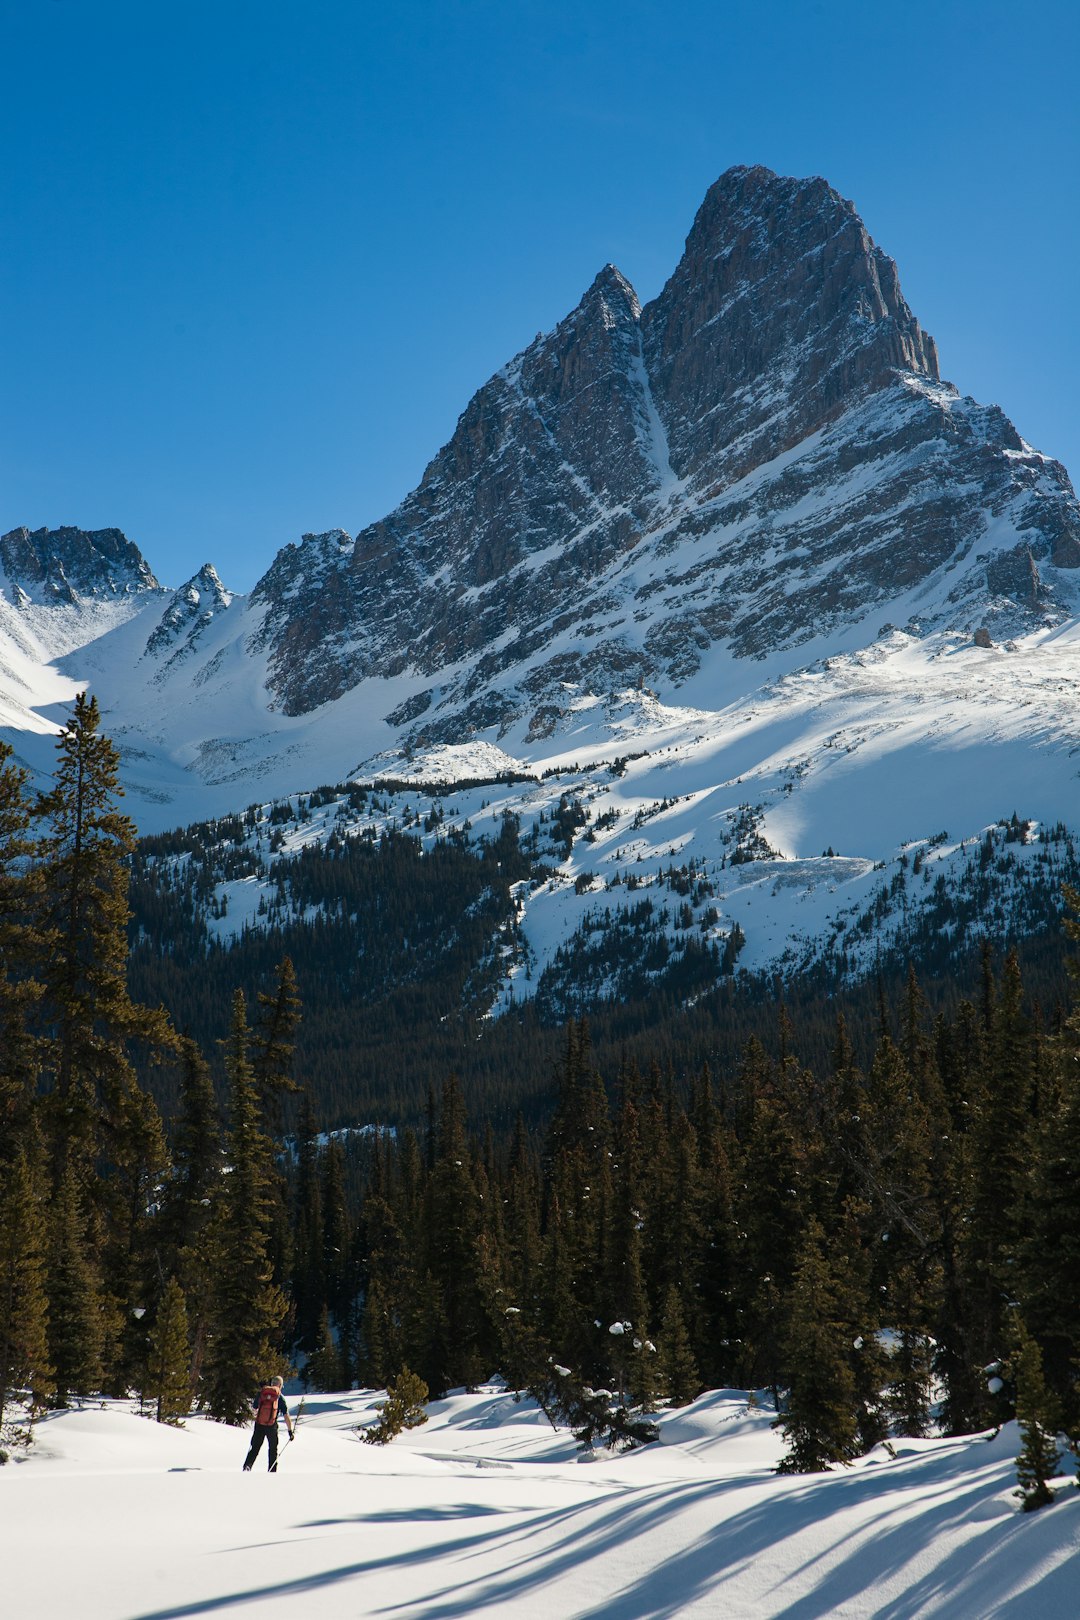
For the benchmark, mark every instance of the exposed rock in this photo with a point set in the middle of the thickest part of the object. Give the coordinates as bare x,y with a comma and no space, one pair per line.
764,452
982,637
62,565
190,612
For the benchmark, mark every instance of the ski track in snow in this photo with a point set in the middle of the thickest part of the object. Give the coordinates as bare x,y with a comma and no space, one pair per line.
486,1511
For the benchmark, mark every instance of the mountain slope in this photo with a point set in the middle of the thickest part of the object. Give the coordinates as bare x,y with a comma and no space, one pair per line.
727,554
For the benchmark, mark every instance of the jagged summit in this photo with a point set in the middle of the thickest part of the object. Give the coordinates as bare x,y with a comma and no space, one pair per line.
612,291
781,310
62,565
192,609
763,452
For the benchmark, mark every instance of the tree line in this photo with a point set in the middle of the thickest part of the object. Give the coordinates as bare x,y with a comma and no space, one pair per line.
881,1244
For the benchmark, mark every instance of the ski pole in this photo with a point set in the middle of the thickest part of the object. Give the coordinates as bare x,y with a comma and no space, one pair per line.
292,1433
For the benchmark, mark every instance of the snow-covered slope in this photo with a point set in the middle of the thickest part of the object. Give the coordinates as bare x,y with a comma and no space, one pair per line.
486,1511
744,540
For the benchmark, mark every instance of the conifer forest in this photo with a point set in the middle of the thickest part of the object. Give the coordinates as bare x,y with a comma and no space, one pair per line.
884,1225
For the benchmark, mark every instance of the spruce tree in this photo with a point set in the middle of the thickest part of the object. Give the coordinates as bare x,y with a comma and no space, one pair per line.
1038,1413
324,1369
819,1419
273,1042
246,1307
168,1369
85,1004
308,1261
77,1320
678,1370
19,951
24,1340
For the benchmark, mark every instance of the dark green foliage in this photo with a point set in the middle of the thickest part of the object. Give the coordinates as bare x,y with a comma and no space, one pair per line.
245,1305
596,1416
1038,1413
20,951
765,1194
324,1368
76,1307
678,1370
24,1339
403,1408
818,1420
168,1367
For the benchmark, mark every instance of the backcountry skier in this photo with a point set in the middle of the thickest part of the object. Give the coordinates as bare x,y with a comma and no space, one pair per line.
268,1406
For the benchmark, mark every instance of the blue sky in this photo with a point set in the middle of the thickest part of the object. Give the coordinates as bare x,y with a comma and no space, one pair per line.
259,253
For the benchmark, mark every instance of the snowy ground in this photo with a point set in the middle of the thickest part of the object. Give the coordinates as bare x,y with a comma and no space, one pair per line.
486,1511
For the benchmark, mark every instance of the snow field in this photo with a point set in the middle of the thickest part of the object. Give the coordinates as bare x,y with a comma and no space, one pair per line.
487,1511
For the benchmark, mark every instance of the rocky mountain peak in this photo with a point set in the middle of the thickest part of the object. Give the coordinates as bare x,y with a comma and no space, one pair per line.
192,609
779,312
63,565
763,451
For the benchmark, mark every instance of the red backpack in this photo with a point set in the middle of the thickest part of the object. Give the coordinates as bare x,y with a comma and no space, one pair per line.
268,1399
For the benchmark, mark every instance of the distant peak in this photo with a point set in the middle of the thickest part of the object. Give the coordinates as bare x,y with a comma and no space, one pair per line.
610,288
60,564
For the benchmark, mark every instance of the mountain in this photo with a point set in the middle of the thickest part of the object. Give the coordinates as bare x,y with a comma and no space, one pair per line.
731,584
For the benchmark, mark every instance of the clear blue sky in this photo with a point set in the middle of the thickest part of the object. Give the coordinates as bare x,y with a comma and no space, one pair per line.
259,253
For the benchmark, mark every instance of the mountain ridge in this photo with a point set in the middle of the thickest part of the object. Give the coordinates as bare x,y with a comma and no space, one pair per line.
744,533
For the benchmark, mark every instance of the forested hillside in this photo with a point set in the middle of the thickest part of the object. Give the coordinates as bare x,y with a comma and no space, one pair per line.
865,1229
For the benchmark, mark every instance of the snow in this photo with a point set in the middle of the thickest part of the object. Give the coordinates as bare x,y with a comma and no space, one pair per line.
486,1510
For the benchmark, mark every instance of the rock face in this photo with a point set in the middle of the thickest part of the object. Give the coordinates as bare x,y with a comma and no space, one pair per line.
762,453
191,611
50,566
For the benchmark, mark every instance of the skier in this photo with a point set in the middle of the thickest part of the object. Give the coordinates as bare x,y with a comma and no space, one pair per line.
268,1407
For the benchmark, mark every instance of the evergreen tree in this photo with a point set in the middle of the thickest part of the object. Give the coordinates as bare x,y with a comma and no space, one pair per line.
403,1408
273,1042
168,1369
771,1215
819,1420
678,1369
324,1369
19,951
453,1251
1038,1413
24,1344
246,1306
77,1325
308,1267
85,1004
1002,1153
336,1235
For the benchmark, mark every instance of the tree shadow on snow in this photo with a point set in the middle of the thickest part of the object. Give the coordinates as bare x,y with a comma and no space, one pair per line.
877,1522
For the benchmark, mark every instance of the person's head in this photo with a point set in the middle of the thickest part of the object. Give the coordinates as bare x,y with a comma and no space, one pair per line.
277,1382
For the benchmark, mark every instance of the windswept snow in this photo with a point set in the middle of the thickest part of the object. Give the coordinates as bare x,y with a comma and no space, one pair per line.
487,1511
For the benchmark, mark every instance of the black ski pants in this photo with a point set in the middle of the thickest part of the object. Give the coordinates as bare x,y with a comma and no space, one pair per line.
267,1432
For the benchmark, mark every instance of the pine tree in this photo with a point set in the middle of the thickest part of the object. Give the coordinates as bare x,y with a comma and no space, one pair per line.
678,1369
273,1042
819,1420
1038,1413
1002,1154
19,948
24,1343
77,1326
85,1003
403,1408
324,1370
336,1235
246,1306
1047,1253
771,1214
196,1155
168,1371
453,1250
308,1264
